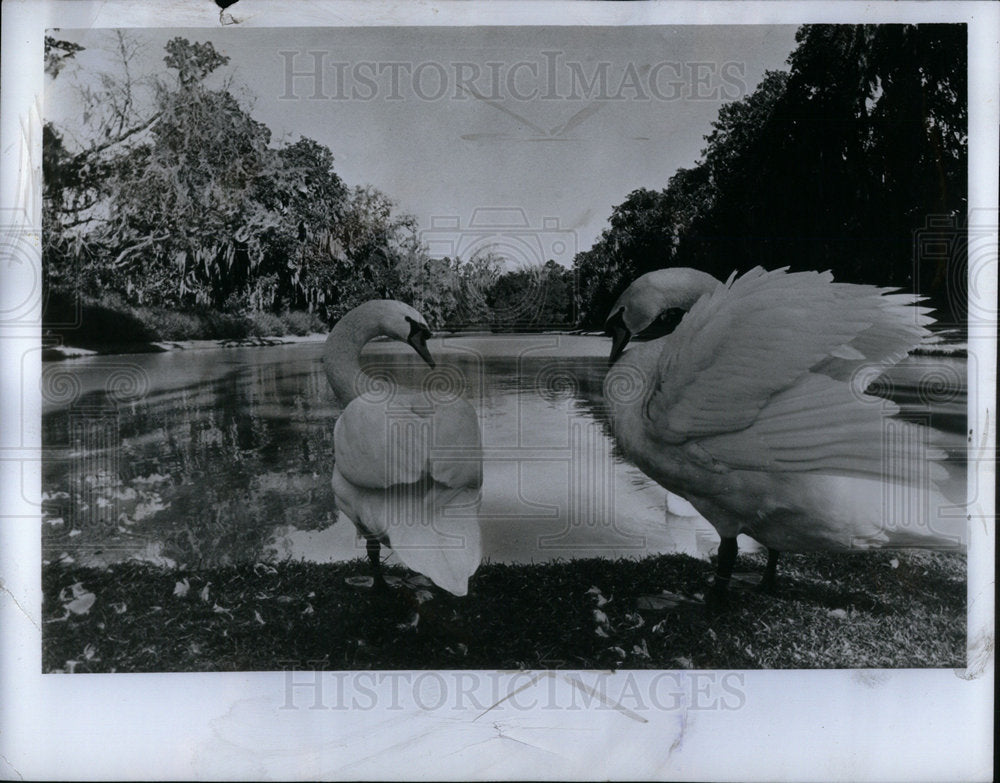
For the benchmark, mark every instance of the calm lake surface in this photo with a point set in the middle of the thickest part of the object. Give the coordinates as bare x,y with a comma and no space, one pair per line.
206,457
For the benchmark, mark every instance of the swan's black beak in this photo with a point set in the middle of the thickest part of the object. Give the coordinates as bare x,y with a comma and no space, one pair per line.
419,335
619,340
620,334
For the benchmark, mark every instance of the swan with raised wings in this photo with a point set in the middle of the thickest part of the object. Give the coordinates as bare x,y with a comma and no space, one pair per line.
408,462
754,410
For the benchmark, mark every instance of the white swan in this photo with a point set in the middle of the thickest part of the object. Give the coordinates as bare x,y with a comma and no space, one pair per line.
753,409
408,463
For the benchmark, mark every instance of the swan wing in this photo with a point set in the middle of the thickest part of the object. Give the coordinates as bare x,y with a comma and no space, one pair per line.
379,444
750,339
455,456
408,473
820,424
898,325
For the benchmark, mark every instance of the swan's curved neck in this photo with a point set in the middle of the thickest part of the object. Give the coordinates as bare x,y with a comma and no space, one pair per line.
680,288
342,354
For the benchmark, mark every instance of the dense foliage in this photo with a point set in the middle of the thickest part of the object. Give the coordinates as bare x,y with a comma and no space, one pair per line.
837,164
181,201
188,206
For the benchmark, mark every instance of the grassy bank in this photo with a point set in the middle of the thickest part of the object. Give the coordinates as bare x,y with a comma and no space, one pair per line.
881,610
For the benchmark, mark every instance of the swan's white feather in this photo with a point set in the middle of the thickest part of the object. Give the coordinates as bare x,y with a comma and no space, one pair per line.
819,424
743,343
379,444
408,465
433,528
754,410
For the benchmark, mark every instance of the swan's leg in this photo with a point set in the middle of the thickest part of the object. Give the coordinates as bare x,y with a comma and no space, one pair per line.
770,572
375,560
718,593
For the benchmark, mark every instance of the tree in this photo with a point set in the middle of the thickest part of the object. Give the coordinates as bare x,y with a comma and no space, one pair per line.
835,164
536,297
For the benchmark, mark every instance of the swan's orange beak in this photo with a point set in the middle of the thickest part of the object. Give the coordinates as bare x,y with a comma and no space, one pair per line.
418,340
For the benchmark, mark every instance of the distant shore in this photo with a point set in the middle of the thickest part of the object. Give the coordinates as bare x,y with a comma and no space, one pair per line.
61,352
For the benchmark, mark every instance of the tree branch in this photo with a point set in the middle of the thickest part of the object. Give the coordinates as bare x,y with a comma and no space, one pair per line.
88,153
120,258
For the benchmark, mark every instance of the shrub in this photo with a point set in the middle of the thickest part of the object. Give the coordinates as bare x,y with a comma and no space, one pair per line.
223,326
302,323
264,324
168,324
88,322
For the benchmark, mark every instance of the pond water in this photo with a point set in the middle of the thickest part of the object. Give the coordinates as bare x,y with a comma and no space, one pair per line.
208,457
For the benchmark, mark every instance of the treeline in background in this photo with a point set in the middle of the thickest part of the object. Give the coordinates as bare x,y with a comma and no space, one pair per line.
176,216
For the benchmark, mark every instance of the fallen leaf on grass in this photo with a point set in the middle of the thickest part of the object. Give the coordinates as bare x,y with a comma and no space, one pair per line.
410,626
641,650
203,594
423,596
182,587
76,599
633,620
838,614
663,601
258,618
745,580
595,593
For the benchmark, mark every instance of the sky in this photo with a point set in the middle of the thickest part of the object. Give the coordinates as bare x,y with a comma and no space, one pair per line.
521,139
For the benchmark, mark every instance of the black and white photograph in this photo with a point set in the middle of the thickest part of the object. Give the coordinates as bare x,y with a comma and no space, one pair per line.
450,392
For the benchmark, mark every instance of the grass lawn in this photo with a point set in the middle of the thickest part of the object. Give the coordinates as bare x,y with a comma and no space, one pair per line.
865,610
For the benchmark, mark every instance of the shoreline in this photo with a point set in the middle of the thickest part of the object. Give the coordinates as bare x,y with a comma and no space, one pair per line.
936,346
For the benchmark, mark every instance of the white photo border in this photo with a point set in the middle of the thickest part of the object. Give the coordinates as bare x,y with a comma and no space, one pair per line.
794,725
